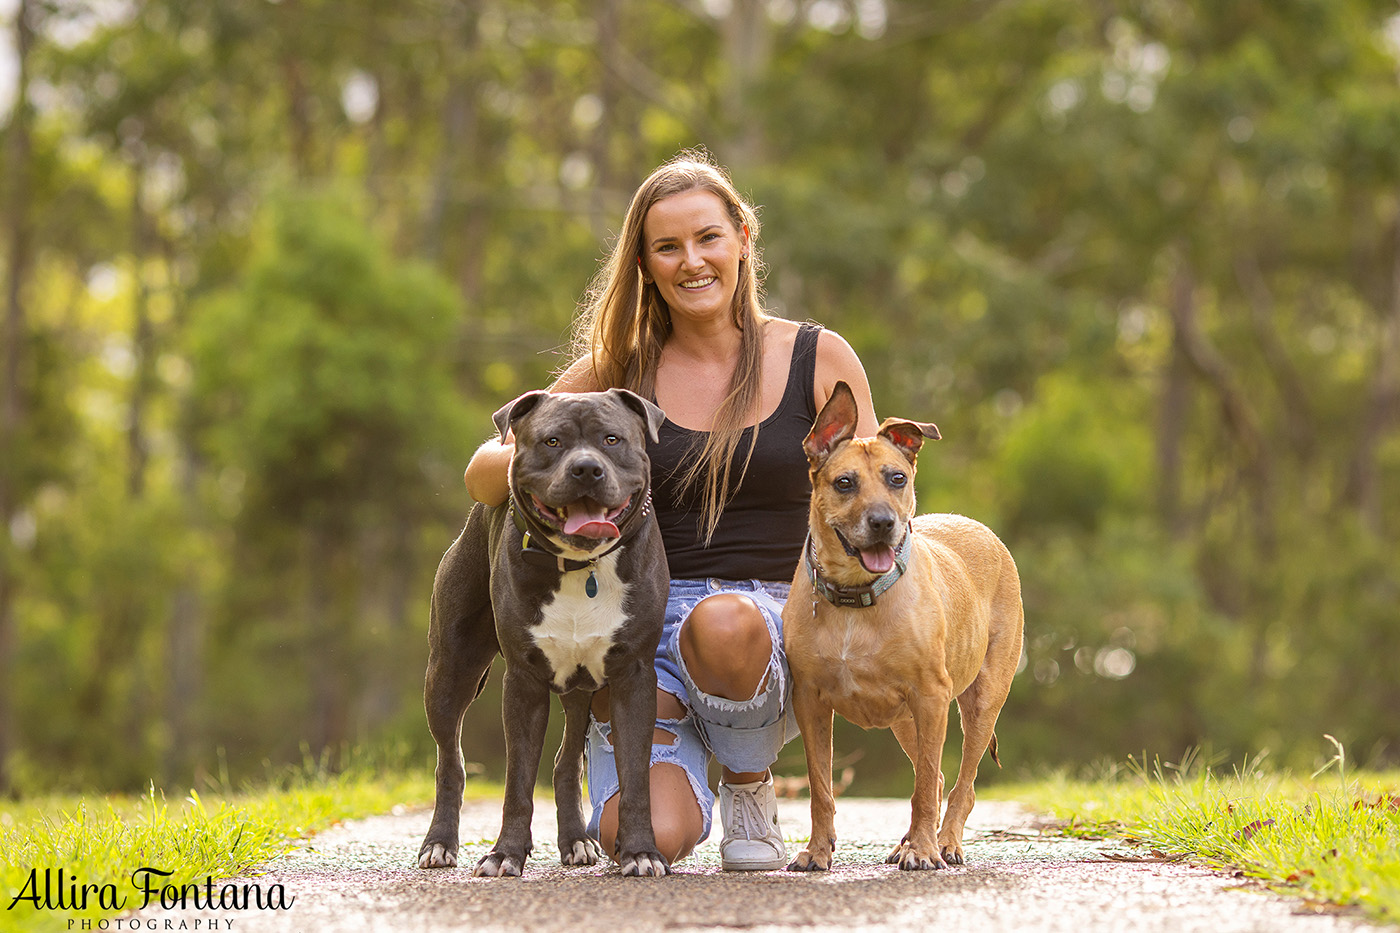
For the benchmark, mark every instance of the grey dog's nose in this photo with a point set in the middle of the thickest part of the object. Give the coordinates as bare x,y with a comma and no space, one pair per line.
880,523
586,468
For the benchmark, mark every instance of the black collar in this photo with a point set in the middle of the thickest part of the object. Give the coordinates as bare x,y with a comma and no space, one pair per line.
856,597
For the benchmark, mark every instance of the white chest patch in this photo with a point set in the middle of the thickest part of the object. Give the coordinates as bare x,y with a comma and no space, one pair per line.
577,630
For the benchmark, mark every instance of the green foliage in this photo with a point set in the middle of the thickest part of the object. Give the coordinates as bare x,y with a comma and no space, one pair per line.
324,377
219,833
1333,839
1137,260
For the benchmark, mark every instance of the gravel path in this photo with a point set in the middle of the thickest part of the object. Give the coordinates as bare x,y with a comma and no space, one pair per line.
360,877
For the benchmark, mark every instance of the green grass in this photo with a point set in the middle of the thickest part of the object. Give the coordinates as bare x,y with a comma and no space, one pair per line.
102,840
1330,838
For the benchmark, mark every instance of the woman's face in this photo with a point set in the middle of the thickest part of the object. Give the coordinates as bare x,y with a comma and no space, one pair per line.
691,250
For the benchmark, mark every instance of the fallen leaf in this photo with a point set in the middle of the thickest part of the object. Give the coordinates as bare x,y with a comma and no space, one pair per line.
1248,832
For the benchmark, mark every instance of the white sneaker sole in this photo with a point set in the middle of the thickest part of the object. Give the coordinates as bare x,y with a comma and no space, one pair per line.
772,863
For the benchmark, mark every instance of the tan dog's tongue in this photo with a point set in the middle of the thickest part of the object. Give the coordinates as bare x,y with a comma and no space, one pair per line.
588,519
877,559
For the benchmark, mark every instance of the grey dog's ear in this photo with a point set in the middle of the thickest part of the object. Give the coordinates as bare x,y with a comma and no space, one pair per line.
651,415
518,408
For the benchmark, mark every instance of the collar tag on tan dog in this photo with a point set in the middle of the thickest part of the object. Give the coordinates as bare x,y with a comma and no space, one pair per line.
857,597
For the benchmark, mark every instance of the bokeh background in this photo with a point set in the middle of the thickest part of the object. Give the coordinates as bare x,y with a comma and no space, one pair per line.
268,265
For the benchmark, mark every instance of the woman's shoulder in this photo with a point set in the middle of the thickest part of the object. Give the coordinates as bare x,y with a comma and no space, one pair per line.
578,376
837,361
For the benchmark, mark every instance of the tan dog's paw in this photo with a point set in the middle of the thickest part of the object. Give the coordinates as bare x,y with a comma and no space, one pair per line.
910,857
807,860
952,851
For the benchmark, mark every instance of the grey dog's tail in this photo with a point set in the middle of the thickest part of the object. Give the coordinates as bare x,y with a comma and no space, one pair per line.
993,749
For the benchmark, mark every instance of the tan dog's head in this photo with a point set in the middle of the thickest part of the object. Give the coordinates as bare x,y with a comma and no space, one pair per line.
862,488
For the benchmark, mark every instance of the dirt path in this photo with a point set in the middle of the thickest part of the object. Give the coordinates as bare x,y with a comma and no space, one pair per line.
360,876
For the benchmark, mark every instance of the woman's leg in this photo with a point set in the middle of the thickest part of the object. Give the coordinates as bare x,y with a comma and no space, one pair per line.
726,647
676,817
729,649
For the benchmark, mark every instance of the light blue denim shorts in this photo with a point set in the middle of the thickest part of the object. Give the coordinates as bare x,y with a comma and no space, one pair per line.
743,735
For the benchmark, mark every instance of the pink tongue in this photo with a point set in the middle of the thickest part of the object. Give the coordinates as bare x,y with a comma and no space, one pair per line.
589,520
877,560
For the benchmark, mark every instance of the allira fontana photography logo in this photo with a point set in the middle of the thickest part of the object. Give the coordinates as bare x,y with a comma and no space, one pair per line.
54,889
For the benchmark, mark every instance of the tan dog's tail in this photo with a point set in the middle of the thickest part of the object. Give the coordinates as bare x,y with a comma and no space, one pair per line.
993,749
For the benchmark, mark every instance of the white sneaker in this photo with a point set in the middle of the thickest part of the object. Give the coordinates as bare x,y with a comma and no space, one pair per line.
752,840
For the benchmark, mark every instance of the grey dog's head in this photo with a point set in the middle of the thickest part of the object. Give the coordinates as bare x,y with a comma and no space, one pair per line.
580,470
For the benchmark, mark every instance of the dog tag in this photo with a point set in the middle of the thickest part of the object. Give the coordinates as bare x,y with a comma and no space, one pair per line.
591,587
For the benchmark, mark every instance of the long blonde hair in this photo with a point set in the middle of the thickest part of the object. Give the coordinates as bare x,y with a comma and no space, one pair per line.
624,322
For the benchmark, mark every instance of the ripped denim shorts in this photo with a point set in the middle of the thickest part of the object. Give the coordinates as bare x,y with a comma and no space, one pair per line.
744,735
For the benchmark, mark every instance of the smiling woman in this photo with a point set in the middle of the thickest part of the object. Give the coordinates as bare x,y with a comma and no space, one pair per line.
675,316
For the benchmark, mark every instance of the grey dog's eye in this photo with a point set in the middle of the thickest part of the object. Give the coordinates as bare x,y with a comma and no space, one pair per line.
551,442
610,440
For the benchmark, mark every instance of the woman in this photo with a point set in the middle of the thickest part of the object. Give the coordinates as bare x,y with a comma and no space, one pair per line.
675,316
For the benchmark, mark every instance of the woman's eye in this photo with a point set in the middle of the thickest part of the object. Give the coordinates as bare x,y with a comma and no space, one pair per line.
897,480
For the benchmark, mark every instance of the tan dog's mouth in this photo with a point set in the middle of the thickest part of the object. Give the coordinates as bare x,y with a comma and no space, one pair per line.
876,560
586,518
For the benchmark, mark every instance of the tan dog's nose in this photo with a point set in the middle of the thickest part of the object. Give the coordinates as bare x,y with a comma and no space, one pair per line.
880,523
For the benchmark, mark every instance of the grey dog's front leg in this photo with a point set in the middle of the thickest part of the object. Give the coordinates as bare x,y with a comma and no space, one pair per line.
633,720
525,710
575,845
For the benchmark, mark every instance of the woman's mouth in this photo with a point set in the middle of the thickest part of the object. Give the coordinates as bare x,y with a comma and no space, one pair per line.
698,284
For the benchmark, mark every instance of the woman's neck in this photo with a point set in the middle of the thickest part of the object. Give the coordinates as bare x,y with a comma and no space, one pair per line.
709,342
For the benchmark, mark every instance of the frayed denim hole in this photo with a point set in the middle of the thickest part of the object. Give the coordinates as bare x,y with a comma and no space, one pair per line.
604,730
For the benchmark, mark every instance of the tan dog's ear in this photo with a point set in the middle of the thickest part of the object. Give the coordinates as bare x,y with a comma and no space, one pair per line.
908,436
836,423
516,408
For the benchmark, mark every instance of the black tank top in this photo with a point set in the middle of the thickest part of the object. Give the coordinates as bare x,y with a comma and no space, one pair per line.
760,533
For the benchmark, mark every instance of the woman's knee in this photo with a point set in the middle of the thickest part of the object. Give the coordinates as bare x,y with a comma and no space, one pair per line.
676,821
726,646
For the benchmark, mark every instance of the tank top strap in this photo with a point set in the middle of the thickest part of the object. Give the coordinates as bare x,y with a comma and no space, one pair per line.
802,374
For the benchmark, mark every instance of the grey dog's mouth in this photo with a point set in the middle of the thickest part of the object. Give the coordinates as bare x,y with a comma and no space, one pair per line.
585,518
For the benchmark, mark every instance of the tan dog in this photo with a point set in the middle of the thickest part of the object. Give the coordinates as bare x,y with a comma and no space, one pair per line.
890,618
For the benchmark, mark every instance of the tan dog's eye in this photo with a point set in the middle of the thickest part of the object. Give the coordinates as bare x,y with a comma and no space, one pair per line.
610,440
897,480
844,484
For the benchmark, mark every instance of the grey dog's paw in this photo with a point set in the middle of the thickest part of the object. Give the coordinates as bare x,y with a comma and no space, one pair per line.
582,852
437,855
644,865
499,865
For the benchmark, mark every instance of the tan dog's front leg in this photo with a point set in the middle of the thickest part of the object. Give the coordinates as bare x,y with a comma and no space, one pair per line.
922,740
814,719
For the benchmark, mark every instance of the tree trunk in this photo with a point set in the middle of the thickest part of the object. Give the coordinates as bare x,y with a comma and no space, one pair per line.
12,407
1236,412
143,347
1363,479
747,42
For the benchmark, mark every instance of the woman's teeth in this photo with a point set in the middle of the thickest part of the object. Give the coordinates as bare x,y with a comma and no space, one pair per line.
699,283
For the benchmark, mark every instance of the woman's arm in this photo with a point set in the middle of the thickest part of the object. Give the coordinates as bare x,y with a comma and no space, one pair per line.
837,362
488,473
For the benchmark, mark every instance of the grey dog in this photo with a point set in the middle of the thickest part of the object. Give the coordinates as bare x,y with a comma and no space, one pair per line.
567,580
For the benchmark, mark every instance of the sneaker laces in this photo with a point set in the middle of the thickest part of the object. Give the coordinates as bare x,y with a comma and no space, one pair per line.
748,816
